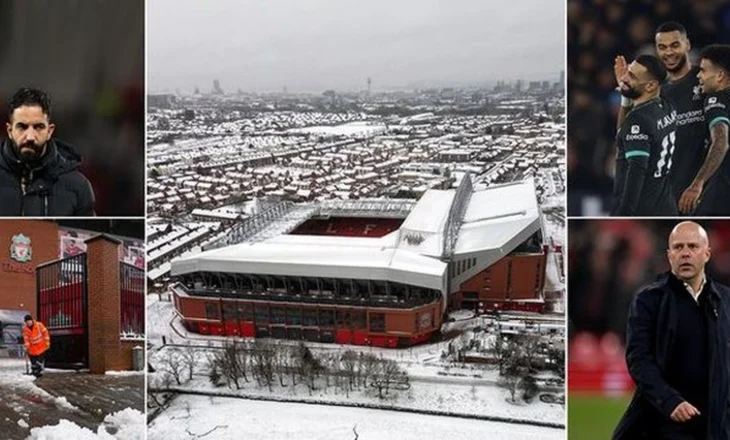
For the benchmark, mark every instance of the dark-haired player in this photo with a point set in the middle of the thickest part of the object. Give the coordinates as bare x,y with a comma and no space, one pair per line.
39,175
682,91
645,144
714,78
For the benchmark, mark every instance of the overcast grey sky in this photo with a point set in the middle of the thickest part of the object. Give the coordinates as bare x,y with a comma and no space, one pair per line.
314,45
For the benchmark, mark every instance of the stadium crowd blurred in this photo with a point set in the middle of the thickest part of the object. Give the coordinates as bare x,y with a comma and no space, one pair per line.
89,58
598,31
609,260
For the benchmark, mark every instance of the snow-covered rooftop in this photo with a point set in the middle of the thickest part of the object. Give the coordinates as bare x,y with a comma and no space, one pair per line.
496,221
334,258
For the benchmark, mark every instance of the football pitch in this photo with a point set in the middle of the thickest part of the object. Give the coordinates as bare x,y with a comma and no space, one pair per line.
594,417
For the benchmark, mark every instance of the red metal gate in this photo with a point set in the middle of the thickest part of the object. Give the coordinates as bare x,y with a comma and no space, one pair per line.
63,307
131,280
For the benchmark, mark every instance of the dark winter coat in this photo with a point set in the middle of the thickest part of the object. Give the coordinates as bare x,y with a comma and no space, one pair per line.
651,331
53,188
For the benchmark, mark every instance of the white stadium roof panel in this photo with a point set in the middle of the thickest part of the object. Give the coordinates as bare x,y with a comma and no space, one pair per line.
496,221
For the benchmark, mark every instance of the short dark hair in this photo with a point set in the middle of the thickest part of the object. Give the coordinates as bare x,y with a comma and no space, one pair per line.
671,26
719,55
30,97
653,66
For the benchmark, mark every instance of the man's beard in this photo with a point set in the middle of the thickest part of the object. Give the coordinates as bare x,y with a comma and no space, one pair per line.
29,151
682,62
631,93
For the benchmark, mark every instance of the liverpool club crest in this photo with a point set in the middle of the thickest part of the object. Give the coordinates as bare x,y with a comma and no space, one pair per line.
20,249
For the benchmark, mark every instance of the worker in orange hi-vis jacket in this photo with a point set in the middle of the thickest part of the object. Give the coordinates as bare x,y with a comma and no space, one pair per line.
37,341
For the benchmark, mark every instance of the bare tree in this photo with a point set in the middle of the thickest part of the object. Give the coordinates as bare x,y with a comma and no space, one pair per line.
556,357
307,366
390,373
529,388
510,381
291,362
349,364
498,349
369,367
214,374
266,359
376,375
232,363
189,357
281,362
171,362
330,365
513,369
529,343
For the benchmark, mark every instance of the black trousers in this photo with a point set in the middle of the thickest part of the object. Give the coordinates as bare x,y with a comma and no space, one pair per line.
37,363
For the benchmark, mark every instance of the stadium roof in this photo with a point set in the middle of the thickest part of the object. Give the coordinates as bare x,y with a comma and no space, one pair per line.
335,257
495,222
498,219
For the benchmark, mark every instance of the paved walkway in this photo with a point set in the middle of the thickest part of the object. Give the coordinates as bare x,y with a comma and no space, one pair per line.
81,398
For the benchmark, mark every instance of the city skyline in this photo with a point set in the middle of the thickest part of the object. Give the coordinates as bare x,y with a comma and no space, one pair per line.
209,87
323,45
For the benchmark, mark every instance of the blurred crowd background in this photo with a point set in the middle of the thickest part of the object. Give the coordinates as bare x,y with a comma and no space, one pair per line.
598,31
609,260
89,57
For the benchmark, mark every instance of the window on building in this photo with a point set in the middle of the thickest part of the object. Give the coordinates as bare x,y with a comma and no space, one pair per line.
293,316
230,312
278,315
326,317
471,295
343,318
261,312
309,317
377,322
359,319
212,311
245,312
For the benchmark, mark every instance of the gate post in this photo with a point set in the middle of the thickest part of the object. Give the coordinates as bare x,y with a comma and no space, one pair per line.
106,351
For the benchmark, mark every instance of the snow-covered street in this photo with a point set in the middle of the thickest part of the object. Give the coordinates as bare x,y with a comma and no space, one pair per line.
61,405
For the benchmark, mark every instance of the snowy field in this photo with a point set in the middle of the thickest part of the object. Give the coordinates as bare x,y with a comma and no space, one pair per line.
436,384
228,418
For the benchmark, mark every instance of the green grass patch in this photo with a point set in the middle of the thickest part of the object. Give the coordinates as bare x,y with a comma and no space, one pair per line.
593,417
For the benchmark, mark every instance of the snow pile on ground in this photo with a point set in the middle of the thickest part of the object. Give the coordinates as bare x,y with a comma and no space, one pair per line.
128,424
63,403
23,424
65,430
125,373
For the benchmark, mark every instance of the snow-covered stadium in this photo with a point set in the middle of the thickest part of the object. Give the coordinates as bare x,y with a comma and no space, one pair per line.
368,272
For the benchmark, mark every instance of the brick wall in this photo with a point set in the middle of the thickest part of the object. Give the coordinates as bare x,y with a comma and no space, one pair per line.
106,351
18,280
513,277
